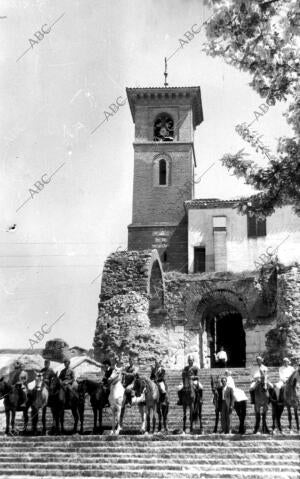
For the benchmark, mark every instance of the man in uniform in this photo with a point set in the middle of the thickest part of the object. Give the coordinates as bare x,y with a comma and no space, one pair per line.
258,371
47,372
285,371
20,379
191,376
129,375
108,369
227,405
68,378
158,376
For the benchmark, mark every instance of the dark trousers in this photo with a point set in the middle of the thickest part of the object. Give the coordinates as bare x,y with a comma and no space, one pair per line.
225,417
221,363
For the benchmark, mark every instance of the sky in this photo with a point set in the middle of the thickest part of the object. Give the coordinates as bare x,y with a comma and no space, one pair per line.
55,236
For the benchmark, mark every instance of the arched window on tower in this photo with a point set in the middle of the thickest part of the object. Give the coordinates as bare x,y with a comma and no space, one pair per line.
162,165
163,129
162,172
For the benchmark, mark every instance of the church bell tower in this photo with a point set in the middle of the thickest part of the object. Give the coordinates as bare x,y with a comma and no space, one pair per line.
165,120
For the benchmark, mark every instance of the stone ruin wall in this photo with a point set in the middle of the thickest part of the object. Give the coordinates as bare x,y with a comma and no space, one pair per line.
284,339
127,301
144,312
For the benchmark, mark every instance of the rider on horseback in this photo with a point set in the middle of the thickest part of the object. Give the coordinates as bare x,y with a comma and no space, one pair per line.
68,379
285,372
129,375
259,370
19,380
47,372
158,376
190,374
108,369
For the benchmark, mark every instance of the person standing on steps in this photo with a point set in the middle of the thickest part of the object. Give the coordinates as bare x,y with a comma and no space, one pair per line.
190,374
230,380
227,405
257,372
221,358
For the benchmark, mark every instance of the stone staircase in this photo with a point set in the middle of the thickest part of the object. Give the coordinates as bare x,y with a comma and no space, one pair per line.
166,456
175,457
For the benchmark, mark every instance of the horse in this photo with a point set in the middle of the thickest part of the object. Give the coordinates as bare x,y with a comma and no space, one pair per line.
38,400
261,401
115,398
289,398
58,402
147,390
240,406
97,399
192,399
11,395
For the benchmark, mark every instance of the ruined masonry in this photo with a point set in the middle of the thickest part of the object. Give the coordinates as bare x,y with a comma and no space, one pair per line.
147,313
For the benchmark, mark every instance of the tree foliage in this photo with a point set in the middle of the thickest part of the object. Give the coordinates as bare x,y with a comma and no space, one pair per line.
261,37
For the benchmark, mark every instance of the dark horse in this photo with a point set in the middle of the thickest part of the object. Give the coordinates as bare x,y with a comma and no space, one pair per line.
240,407
146,390
262,390
192,400
289,397
59,401
98,397
12,400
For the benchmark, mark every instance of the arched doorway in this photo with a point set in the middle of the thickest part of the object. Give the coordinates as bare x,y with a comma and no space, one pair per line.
221,324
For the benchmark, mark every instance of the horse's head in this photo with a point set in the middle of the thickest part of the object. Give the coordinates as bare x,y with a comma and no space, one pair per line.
82,388
138,385
116,376
54,384
39,381
4,387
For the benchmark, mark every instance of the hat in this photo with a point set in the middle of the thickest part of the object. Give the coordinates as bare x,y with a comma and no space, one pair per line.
190,356
287,359
259,357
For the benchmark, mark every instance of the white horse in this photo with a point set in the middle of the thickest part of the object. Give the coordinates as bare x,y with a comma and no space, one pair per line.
116,396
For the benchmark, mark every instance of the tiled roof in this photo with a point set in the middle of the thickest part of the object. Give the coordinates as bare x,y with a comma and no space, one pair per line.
206,203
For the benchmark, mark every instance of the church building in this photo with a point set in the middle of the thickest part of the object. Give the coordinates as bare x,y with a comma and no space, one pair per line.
197,274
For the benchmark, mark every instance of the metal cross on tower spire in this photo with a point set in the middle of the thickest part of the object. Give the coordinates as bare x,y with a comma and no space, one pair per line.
166,72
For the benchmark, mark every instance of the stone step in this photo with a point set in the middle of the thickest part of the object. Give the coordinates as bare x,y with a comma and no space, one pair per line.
211,474
149,456
182,472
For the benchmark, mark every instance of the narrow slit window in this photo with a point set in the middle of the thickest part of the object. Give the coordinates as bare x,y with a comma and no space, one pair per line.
162,172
